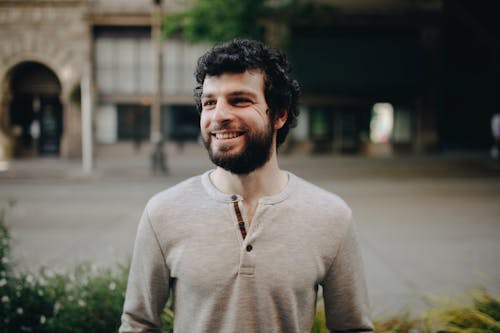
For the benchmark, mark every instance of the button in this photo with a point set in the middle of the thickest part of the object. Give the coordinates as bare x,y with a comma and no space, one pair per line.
234,197
249,248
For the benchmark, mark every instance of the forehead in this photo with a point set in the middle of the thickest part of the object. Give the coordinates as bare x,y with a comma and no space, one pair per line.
251,81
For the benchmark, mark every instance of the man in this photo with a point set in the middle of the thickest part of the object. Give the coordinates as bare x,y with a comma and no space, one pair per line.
244,247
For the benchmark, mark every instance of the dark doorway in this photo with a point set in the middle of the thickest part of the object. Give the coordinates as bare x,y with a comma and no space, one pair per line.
35,110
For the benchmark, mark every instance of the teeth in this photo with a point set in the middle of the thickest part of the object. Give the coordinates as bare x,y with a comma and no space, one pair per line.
222,136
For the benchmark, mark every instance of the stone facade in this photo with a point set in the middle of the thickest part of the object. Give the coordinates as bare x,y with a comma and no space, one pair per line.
57,34
54,34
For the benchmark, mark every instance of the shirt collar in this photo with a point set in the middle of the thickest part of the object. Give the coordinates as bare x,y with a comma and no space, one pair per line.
228,197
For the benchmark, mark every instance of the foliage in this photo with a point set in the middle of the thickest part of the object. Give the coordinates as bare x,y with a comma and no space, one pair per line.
4,244
217,20
89,300
167,319
479,315
25,301
222,20
86,300
319,324
402,323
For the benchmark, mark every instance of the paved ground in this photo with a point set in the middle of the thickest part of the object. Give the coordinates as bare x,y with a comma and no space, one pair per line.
429,225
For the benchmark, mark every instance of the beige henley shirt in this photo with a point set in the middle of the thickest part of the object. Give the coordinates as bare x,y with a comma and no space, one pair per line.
188,241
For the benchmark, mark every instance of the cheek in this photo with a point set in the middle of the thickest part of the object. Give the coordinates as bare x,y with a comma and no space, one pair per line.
204,127
203,121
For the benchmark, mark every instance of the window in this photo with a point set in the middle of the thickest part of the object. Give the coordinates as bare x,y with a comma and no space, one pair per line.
125,64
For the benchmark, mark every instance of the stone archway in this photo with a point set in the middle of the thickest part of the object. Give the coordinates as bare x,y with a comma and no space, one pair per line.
35,109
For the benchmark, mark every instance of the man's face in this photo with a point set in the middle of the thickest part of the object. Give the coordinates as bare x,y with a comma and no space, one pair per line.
234,122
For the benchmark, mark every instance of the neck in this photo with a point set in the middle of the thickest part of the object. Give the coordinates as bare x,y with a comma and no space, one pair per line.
268,180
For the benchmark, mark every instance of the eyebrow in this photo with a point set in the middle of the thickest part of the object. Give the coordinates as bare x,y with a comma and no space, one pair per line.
236,93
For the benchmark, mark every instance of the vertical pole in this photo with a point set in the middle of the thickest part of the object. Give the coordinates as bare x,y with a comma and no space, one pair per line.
87,135
158,157
87,105
156,106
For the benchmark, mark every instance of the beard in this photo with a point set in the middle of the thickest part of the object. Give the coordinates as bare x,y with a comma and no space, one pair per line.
253,155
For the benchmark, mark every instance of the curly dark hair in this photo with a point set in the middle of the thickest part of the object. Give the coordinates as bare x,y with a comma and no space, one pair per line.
240,55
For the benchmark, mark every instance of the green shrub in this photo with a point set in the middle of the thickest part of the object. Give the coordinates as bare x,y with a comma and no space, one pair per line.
91,302
87,300
4,246
319,324
402,323
167,318
479,314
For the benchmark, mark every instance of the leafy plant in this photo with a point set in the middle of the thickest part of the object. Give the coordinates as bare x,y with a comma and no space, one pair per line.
86,300
89,300
4,245
319,324
402,323
482,315
167,320
217,20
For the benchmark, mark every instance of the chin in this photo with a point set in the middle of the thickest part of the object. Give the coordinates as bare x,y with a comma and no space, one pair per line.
222,149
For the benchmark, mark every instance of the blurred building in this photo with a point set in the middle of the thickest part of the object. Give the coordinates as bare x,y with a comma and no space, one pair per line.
44,48
371,71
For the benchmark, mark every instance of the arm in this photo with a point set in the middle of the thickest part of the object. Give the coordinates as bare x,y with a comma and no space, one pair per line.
148,283
344,289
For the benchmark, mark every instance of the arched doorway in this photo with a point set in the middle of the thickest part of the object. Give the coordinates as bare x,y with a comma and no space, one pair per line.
35,109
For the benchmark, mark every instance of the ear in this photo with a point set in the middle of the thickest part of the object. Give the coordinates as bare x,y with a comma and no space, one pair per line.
280,119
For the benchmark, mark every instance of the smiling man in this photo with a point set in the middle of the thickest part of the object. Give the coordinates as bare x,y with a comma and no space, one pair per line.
244,247
237,146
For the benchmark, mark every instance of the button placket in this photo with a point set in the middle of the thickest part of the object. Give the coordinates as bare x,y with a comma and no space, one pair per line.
247,256
247,262
239,216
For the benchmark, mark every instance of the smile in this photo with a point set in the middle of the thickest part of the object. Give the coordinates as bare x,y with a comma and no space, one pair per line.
227,135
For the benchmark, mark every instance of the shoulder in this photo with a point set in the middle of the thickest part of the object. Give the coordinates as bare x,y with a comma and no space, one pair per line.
318,202
320,215
185,193
324,211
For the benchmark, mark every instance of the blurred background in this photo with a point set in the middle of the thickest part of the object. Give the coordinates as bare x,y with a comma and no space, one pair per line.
397,109
379,77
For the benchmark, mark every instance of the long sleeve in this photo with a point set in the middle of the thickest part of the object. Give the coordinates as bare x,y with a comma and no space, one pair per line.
344,289
148,283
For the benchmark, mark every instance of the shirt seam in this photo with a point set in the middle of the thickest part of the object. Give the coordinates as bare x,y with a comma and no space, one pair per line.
158,244
337,251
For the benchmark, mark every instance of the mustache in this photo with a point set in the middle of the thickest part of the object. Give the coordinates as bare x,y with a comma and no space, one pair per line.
228,127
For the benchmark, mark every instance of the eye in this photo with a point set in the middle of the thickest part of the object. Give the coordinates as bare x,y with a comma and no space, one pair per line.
208,104
241,101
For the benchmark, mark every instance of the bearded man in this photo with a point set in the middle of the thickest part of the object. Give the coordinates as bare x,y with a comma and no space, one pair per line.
244,247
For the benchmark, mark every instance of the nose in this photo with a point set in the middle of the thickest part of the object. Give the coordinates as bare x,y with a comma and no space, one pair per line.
222,111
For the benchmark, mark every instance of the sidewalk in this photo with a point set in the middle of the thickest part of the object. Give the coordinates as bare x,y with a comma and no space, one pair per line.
121,161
